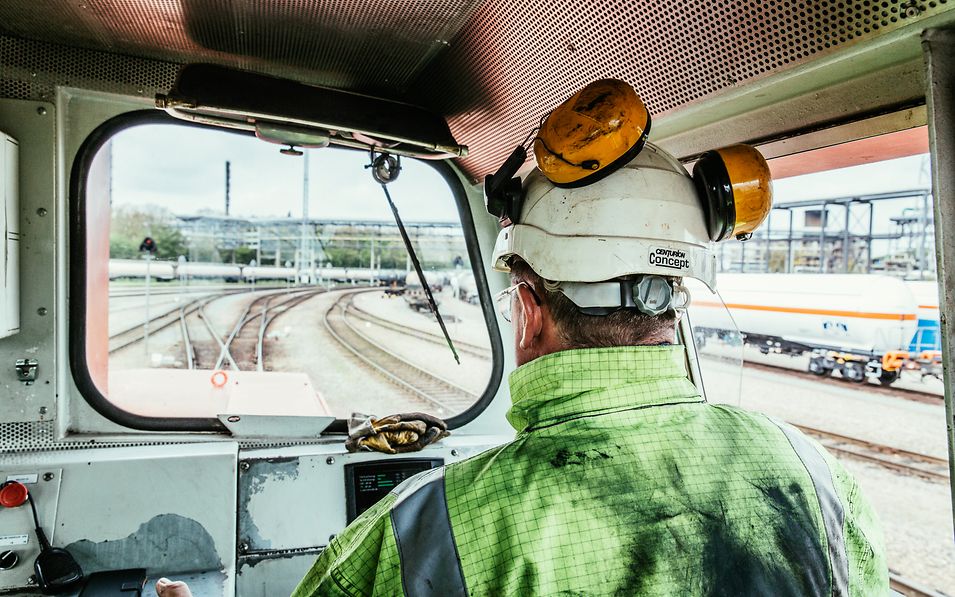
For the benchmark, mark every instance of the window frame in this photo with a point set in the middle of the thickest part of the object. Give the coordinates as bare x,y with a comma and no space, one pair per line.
78,300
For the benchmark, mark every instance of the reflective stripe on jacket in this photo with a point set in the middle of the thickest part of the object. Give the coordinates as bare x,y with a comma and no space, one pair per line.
622,481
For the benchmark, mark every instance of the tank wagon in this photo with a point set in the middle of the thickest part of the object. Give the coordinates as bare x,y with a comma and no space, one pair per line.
165,271
259,273
218,271
858,325
466,288
927,333
135,269
926,345
415,295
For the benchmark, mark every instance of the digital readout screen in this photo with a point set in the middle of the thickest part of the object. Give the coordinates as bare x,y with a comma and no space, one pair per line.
368,482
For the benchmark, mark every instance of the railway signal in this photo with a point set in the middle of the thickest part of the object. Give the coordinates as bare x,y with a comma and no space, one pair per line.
148,246
148,249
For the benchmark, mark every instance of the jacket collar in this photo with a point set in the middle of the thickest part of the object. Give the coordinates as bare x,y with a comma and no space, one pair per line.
584,382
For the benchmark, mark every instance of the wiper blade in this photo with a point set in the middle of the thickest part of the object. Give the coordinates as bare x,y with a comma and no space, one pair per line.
417,267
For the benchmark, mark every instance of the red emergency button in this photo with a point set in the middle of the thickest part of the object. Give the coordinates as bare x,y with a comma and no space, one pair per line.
13,494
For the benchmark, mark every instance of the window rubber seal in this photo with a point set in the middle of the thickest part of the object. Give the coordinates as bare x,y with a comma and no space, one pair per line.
77,244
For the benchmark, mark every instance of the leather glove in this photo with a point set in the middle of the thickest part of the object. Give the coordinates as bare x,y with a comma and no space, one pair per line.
397,434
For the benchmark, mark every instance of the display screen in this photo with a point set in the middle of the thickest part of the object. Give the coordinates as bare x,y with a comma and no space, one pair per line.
368,482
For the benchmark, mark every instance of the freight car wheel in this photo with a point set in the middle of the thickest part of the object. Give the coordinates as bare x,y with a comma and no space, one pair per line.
854,372
817,367
888,377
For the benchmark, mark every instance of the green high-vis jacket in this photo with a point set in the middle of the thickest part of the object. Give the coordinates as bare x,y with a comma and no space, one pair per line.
622,481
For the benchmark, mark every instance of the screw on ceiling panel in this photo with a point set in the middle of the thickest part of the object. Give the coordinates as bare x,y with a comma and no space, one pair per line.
47,476
41,211
454,452
244,466
329,460
41,110
43,410
244,547
41,311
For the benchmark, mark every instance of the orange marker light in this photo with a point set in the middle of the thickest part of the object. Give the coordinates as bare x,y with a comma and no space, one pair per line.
219,379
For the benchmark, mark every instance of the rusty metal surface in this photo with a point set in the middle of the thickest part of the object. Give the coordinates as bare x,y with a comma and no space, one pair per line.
939,47
491,67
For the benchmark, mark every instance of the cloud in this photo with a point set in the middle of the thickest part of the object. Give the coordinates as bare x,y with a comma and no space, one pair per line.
183,169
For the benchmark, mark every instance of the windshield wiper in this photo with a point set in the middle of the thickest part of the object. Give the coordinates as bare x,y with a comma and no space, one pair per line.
385,169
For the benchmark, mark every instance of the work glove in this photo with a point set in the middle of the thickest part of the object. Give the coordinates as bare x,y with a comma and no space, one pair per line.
395,434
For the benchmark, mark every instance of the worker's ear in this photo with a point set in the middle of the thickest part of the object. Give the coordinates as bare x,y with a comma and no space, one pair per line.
532,317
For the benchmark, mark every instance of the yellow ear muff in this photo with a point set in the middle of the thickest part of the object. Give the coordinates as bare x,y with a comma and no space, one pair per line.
736,189
598,129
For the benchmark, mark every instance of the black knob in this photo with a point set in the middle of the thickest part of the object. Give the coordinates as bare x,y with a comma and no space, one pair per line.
8,559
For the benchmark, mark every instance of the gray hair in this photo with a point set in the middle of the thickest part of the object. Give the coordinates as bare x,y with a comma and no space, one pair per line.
626,327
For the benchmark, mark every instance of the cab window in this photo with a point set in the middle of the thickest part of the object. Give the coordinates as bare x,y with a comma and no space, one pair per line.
228,276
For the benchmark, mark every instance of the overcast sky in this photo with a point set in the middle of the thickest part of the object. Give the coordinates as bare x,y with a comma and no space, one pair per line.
183,170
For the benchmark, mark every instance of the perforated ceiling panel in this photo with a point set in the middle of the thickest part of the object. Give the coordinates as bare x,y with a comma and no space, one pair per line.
32,70
491,67
515,60
374,47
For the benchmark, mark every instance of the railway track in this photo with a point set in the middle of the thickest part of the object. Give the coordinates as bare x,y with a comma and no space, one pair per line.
909,588
911,463
247,341
895,392
216,352
139,291
242,338
160,321
481,352
444,395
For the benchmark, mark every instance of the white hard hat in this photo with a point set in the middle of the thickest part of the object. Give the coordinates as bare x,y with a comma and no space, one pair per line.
645,218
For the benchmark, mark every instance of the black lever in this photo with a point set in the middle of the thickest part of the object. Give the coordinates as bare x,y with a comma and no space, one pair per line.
56,570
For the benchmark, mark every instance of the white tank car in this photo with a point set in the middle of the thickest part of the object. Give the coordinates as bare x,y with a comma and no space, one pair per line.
259,273
926,295
859,314
136,269
223,271
466,288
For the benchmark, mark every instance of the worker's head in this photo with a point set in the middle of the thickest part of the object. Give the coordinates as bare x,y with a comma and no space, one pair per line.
546,320
598,237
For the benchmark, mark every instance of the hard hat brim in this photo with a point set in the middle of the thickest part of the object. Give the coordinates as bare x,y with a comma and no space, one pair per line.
597,259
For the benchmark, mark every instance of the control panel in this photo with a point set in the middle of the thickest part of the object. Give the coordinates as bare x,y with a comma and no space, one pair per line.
368,482
19,545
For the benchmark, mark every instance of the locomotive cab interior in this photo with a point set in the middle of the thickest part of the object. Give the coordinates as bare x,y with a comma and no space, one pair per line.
218,455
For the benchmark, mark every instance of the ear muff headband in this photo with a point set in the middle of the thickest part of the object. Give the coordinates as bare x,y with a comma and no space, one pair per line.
735,188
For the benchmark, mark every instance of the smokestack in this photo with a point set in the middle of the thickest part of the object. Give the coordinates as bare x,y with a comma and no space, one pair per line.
228,180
